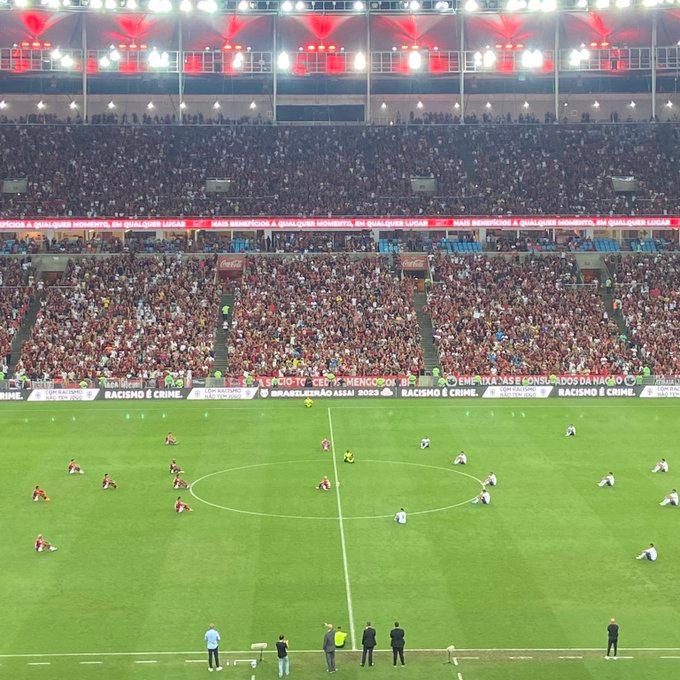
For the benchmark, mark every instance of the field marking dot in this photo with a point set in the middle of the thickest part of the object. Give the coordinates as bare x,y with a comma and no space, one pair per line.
327,518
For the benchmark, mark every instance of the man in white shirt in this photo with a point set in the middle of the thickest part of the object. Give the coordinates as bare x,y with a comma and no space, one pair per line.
571,431
425,443
650,553
484,498
491,480
661,466
400,517
460,459
671,498
607,480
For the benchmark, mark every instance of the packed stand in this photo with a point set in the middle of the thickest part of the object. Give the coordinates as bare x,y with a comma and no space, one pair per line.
320,314
146,171
16,290
501,316
647,288
125,316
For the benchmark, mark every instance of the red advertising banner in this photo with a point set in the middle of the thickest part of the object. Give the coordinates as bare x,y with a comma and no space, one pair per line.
344,223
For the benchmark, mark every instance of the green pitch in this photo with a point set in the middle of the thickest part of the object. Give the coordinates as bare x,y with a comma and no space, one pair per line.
544,566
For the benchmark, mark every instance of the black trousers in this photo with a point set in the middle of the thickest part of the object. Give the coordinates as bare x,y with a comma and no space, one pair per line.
213,654
612,643
367,651
397,651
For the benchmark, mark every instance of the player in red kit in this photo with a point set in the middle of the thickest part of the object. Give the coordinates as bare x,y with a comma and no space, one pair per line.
170,440
40,495
42,545
325,445
324,484
181,506
108,483
179,483
174,468
74,468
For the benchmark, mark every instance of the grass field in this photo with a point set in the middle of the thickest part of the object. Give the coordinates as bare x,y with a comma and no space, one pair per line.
542,568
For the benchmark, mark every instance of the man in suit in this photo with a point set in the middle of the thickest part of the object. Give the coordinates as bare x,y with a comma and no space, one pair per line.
397,643
329,647
368,644
612,637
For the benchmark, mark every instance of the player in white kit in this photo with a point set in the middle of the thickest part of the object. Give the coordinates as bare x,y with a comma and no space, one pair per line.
607,480
671,498
649,553
400,517
661,466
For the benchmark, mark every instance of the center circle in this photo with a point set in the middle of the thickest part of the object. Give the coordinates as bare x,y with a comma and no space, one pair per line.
282,483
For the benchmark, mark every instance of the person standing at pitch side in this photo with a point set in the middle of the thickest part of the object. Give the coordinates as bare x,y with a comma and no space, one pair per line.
212,641
612,638
397,643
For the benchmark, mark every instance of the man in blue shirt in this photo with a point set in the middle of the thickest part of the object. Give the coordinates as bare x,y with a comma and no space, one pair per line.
212,640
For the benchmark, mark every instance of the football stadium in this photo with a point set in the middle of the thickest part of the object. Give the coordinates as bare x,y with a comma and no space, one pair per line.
340,336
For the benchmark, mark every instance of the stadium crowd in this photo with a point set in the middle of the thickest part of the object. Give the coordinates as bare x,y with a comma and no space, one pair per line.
16,290
125,316
500,316
142,171
648,292
317,315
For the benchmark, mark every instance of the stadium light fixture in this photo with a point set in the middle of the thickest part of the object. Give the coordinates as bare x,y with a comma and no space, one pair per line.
549,6
110,4
358,6
56,54
487,105
237,61
415,60
359,61
110,106
596,104
104,62
650,3
534,5
581,4
3,104
97,4
208,6
243,6
383,106
515,5
158,59
632,104
471,6
532,59
300,6
160,6
252,106
286,6
21,4
456,106
182,105
487,60
601,4
73,106
131,4
420,105
525,105
442,6
50,4
576,57
669,104
283,61
40,105
150,106
67,61
217,106
413,5
186,6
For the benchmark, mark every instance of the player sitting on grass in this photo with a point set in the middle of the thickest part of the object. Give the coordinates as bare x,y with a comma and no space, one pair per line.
180,506
571,431
460,459
74,468
425,443
607,480
43,545
170,439
348,457
309,403
400,517
108,483
174,468
490,480
324,484
670,499
484,498
650,553
325,445
661,466
40,495
179,483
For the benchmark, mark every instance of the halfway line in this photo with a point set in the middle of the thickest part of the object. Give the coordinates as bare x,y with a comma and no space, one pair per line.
348,589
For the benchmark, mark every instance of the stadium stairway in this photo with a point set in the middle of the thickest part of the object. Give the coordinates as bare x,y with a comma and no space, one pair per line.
24,331
430,355
220,347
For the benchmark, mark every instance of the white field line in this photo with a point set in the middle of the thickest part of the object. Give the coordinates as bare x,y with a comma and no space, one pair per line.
460,676
348,588
90,663
441,650
40,663
571,657
195,661
147,661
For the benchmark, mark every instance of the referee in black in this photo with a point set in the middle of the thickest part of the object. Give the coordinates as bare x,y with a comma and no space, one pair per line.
612,637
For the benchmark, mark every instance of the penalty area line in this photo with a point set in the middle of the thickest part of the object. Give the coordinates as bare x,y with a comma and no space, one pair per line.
343,544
